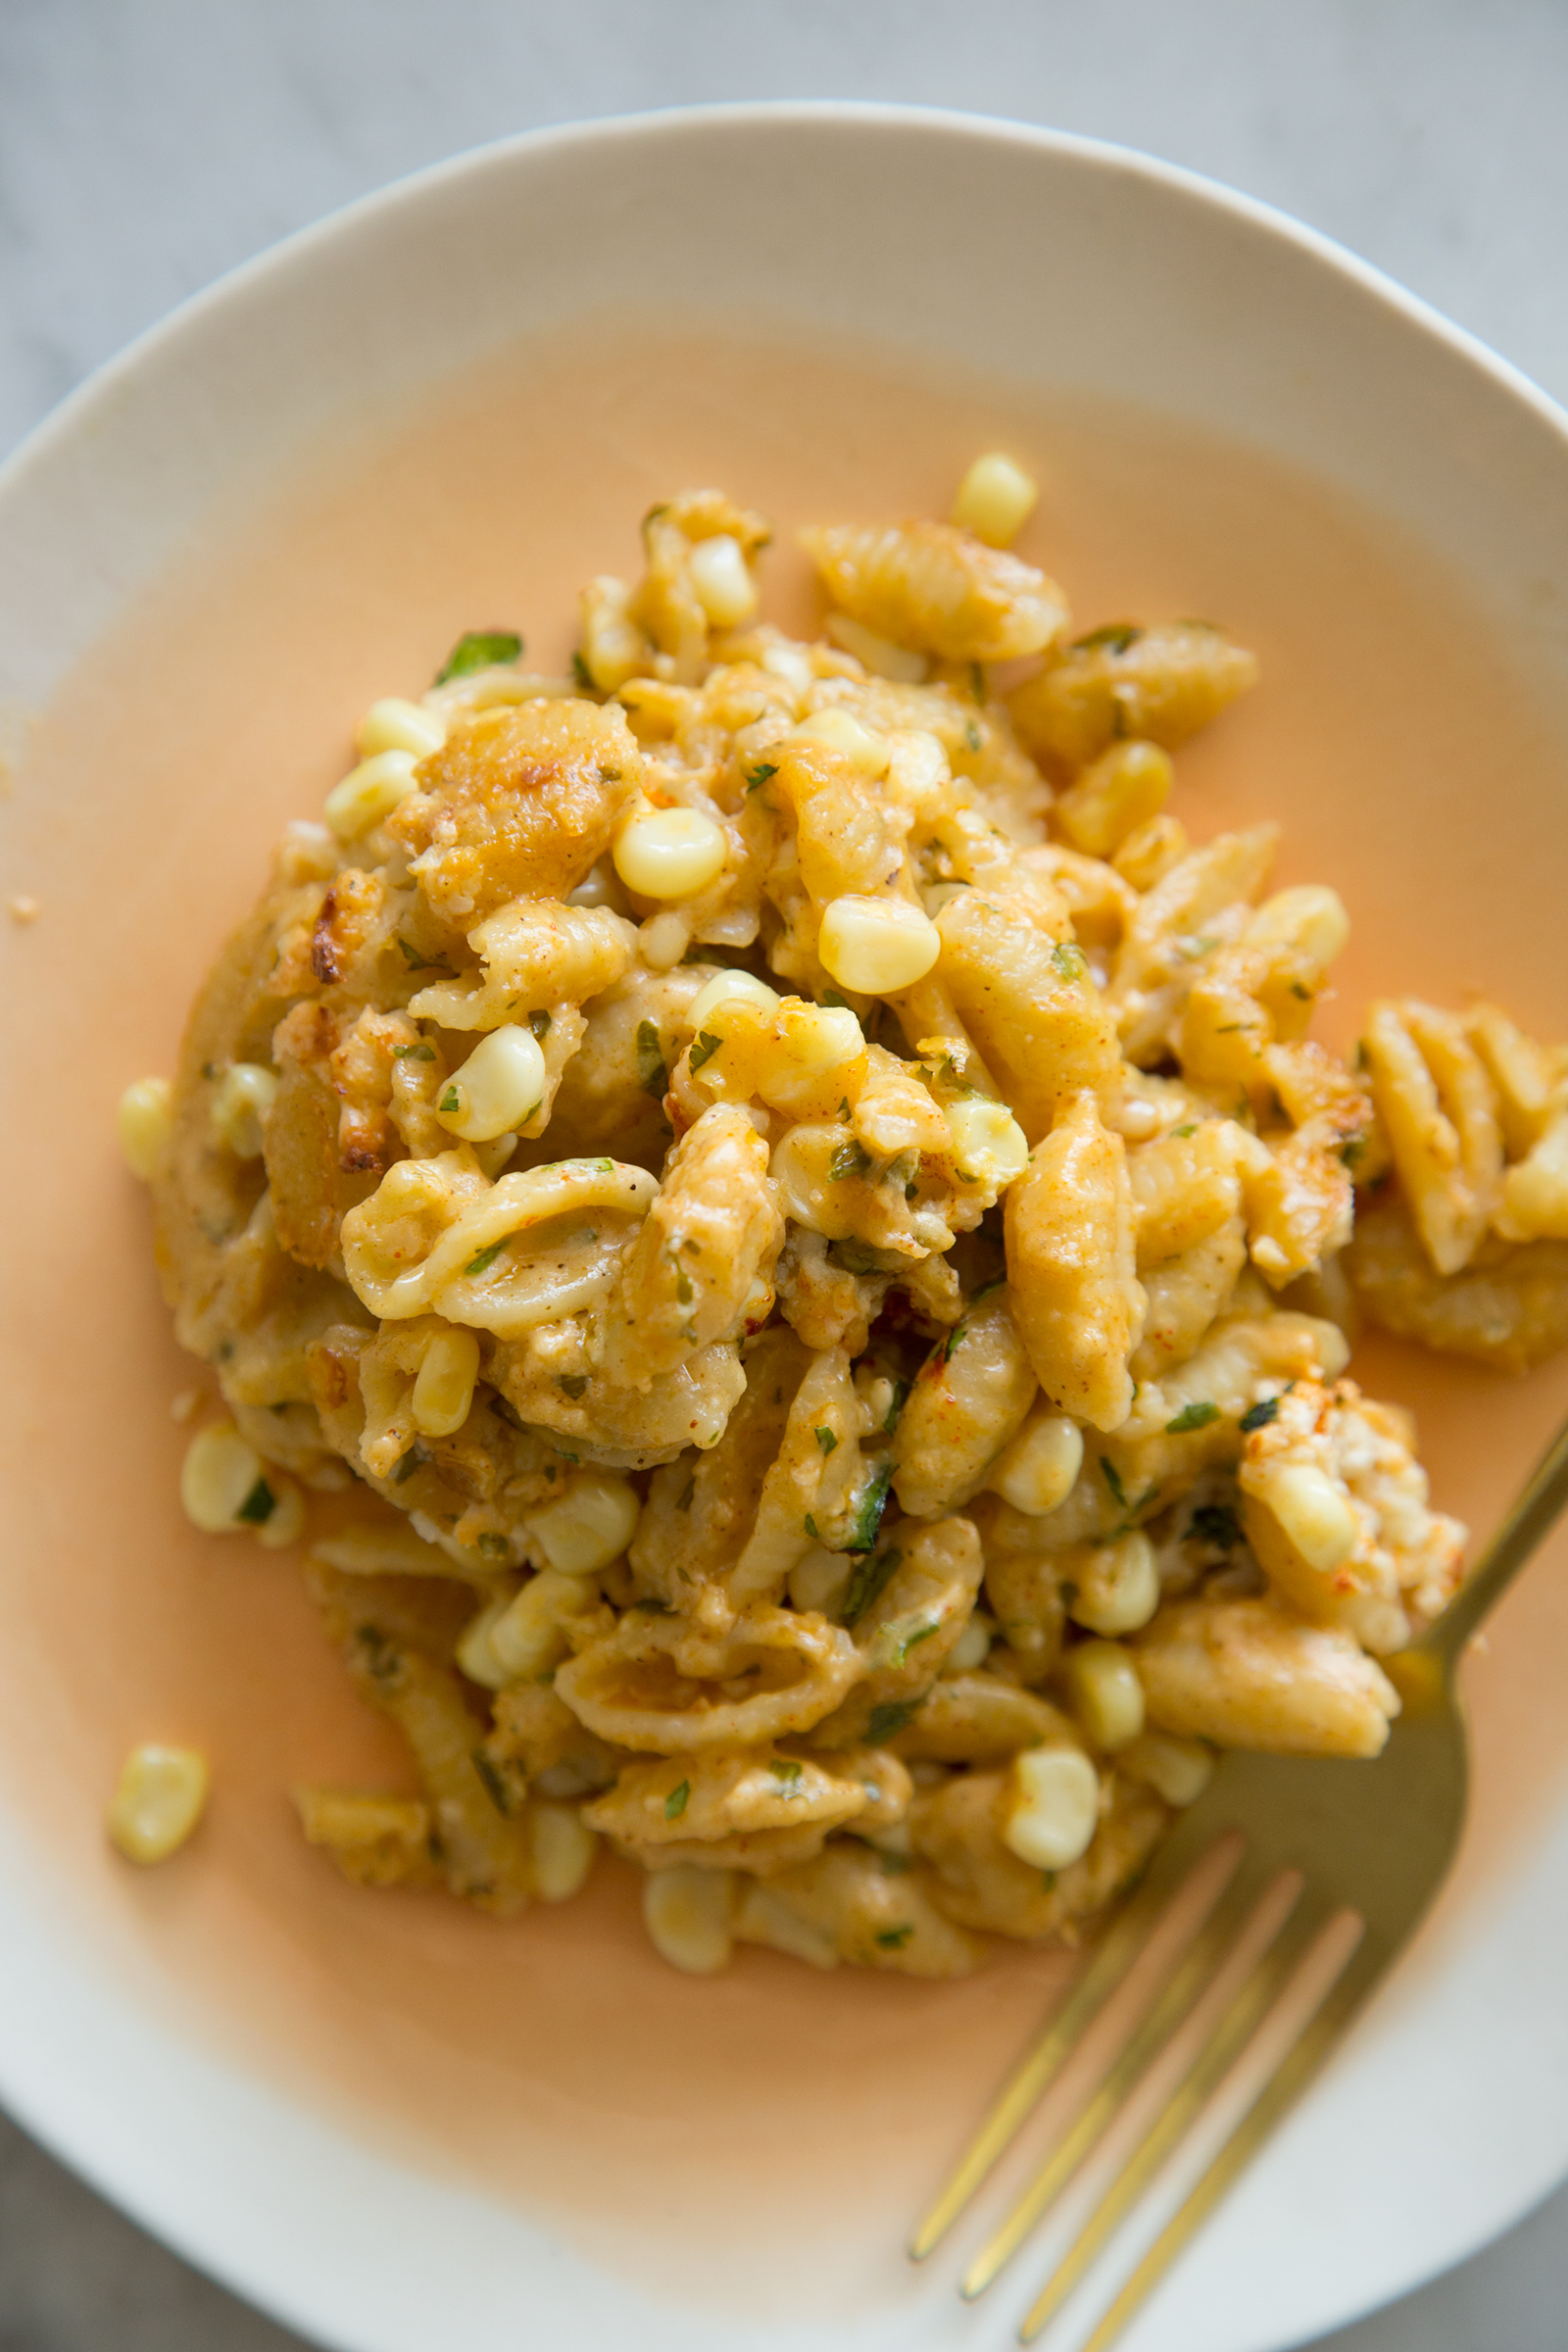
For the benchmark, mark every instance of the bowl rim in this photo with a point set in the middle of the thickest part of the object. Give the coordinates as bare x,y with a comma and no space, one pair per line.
97,394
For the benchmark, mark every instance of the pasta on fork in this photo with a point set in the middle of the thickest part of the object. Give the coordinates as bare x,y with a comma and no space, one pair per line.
777,1226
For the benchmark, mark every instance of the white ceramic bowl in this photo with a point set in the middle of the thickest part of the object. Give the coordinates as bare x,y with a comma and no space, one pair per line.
1061,279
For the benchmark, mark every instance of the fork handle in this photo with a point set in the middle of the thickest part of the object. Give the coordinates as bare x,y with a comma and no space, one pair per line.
1538,1504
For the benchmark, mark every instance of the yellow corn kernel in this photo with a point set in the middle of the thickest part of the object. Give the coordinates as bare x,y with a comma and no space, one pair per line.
879,655
1124,789
499,1087
1178,1770
989,1147
1317,1518
590,1526
687,1913
1149,853
145,1121
527,1634
662,940
368,792
866,751
743,986
476,1652
1104,1694
724,587
157,1801
670,853
395,725
995,499
1119,1586
816,1052
1053,1807
1038,1470
494,1154
241,1100
442,1388
222,1478
877,946
561,1848
973,1646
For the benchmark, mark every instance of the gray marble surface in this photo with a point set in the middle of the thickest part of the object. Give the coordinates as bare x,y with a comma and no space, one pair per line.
148,145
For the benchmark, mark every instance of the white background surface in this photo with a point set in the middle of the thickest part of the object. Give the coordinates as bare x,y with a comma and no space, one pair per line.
147,145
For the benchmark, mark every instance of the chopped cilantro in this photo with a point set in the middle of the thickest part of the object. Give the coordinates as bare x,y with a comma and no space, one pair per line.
450,1101
683,1286
1112,1478
652,1074
420,1052
418,961
1198,1415
1296,990
676,1802
258,1506
1215,1523
539,1023
977,682
892,1939
574,1384
486,1257
408,1464
869,1505
704,1047
785,1768
1259,1415
811,1529
942,1353
683,1500
1115,637
1190,1128
495,1788
913,1640
901,1392
581,673
480,649
827,1438
971,735
758,775
890,1718
847,1161
494,1546
867,1585
1068,961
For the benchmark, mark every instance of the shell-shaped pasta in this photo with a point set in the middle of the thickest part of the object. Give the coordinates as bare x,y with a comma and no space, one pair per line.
852,1905
970,1397
712,1233
1076,1299
1030,1005
979,1719
1185,1187
1162,683
1024,1584
390,1240
812,1493
909,1606
757,1811
1183,1296
939,589
1194,909
1508,1307
849,834
699,1515
612,1093
520,802
637,1688
1439,1112
554,1381
982,1884
1249,1674
533,953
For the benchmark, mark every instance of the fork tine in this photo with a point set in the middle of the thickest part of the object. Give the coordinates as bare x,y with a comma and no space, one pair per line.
1272,2104
1212,2061
1195,1973
1045,2056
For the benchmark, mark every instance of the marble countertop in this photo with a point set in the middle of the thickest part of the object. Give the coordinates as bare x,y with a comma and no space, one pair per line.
148,145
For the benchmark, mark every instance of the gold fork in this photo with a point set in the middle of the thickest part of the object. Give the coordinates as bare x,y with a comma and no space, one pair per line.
1336,1858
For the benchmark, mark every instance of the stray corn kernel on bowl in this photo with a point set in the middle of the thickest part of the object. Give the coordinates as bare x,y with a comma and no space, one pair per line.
878,948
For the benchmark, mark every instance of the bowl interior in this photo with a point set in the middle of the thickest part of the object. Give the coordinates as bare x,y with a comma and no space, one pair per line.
577,2116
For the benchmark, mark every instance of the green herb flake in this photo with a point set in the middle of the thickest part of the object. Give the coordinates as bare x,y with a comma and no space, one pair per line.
1068,961
1048,1879
683,1287
827,1438
582,675
894,1939
704,1047
1115,637
574,1384
1296,990
901,1396
971,735
830,996
1198,1415
978,681
942,1353
850,1159
1216,1523
495,1788
1112,1478
652,1076
913,1640
407,1466
485,1258
786,1770
890,1718
451,1101
1259,1415
869,1506
683,1500
494,1546
811,1529
480,649
867,1585
1190,1128
676,1801
420,1052
539,1023
258,1506
415,958
758,775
